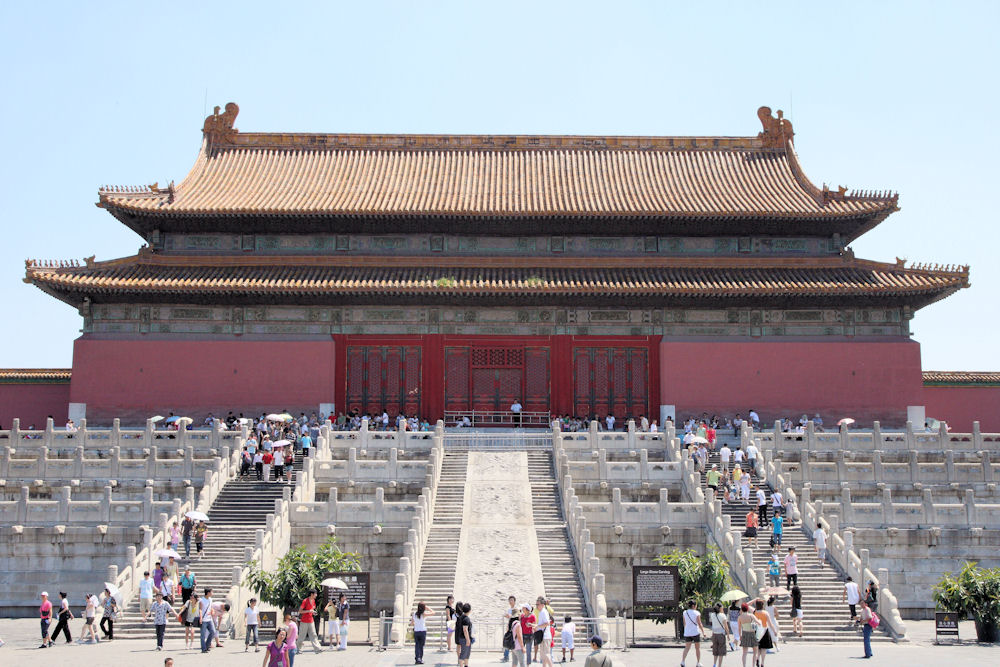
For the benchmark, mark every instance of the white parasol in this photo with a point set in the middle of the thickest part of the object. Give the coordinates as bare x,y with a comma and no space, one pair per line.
333,582
197,516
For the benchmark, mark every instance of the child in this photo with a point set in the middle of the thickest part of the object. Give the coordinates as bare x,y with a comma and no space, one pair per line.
568,630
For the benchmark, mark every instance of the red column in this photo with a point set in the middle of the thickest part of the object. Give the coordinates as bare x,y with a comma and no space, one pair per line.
340,372
432,377
561,375
654,377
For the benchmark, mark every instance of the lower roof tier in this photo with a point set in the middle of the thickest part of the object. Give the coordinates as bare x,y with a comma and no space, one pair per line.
648,282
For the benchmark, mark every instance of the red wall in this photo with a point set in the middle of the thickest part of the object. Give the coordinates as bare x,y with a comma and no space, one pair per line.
860,379
960,406
33,403
137,379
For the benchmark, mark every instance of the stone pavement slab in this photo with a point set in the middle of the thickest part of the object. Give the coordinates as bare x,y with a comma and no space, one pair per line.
22,638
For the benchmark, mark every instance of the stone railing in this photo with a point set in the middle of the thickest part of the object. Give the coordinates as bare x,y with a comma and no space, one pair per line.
138,561
639,514
65,511
629,440
371,470
925,514
802,467
116,436
42,464
585,553
876,439
841,553
365,439
599,469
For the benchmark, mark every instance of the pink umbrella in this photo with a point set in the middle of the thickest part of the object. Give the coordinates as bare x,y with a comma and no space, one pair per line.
846,421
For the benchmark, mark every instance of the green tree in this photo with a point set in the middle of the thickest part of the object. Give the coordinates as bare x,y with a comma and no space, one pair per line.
299,572
703,578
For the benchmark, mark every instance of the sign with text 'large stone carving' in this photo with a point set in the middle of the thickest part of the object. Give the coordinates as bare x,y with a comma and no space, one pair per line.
656,590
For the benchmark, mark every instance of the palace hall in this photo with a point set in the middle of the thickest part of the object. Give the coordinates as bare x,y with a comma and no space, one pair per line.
437,275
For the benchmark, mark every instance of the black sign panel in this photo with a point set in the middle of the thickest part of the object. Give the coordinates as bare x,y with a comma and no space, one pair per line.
945,625
358,593
268,621
656,590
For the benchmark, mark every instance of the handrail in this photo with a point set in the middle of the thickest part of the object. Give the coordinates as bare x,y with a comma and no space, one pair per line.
497,418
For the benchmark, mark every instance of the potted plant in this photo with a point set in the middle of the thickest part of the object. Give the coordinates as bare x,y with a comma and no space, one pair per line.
975,591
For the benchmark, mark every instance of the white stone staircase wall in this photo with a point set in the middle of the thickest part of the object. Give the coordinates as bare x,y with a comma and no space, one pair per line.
840,547
416,541
135,563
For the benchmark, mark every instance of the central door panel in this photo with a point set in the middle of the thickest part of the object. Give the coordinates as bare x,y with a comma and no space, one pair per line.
491,379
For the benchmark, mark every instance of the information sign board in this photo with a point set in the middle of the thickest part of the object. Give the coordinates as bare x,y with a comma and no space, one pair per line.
358,593
656,590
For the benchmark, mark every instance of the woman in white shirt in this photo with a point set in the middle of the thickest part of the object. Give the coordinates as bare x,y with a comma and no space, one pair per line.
720,633
252,616
419,620
693,630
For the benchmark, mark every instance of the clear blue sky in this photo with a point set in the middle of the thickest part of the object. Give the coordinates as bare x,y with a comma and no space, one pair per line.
882,95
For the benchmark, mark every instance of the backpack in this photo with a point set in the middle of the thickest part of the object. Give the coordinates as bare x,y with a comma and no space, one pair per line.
874,621
508,639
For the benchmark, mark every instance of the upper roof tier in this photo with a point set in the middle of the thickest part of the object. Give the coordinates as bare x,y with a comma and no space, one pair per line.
505,184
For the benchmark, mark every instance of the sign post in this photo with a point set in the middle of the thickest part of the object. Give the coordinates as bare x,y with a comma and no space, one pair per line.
656,592
945,625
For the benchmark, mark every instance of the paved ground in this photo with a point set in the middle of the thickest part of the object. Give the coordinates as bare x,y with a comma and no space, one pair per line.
22,639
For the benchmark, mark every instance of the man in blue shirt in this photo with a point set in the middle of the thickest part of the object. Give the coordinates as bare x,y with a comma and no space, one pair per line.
778,523
306,443
145,596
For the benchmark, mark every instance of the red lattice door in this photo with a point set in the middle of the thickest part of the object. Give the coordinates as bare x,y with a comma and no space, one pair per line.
536,379
490,379
383,378
610,380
